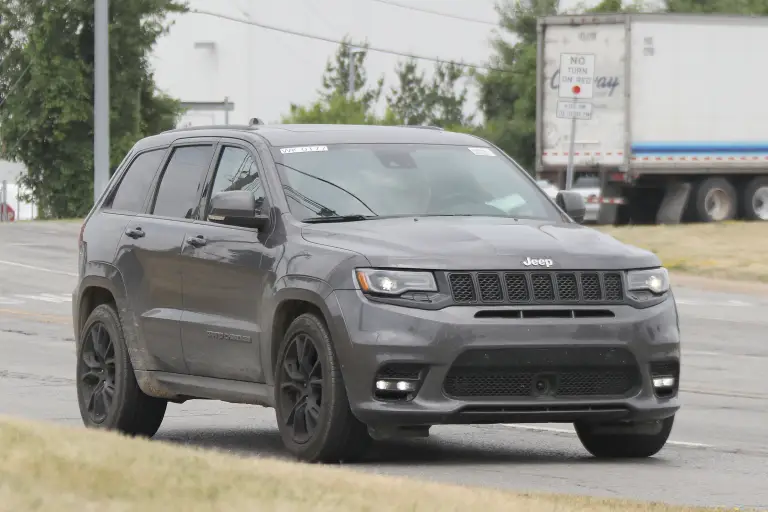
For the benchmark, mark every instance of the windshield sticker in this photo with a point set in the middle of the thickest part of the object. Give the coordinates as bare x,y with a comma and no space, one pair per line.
305,149
482,151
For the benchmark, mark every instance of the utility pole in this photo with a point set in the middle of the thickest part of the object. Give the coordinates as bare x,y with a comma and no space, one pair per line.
101,98
352,71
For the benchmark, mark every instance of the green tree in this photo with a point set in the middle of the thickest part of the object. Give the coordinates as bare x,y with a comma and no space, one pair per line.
508,90
46,86
335,105
336,77
409,99
415,100
335,109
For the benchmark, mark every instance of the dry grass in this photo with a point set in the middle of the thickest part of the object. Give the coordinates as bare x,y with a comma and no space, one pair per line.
52,467
729,250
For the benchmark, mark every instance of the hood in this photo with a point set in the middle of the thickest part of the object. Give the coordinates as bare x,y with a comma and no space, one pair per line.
479,243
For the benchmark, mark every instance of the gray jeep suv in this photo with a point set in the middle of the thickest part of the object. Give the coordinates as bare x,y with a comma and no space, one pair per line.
365,282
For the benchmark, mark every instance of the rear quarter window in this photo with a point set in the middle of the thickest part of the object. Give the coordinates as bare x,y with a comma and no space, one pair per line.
134,187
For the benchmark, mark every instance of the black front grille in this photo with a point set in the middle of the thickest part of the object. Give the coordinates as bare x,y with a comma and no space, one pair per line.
536,287
558,372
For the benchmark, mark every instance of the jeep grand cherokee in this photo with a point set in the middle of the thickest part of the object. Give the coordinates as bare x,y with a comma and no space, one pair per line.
365,282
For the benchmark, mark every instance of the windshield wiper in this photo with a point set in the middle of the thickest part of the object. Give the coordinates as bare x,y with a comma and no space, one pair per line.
338,218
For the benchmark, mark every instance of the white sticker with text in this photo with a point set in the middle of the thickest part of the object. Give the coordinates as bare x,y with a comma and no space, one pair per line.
305,149
482,151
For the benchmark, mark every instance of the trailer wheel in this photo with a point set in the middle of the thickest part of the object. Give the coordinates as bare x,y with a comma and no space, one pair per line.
716,200
755,199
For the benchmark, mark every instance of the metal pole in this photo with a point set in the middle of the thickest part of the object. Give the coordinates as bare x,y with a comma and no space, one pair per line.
226,110
101,98
352,72
571,145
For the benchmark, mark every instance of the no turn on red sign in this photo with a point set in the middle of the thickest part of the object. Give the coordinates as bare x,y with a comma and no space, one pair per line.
577,72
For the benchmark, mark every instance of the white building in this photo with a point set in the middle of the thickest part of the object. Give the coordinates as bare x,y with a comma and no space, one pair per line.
205,58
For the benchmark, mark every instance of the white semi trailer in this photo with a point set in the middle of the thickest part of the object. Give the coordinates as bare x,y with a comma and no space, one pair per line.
679,120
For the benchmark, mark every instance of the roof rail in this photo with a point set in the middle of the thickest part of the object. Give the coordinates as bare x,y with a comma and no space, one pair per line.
423,127
211,127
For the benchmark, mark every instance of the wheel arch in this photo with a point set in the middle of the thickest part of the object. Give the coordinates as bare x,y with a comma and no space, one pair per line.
294,297
104,285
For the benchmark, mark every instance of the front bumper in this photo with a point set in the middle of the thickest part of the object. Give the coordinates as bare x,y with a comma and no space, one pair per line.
369,336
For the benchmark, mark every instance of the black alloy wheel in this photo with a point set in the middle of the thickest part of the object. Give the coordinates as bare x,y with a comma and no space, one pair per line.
301,388
97,372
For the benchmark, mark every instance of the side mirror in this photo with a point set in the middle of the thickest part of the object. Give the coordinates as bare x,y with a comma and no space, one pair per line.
237,208
573,204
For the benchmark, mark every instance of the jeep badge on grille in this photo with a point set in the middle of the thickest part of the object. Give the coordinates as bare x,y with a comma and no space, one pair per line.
542,262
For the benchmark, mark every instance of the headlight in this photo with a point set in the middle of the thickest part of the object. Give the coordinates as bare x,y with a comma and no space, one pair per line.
394,282
655,280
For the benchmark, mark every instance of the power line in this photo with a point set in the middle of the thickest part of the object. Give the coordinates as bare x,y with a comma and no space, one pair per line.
336,41
15,84
436,13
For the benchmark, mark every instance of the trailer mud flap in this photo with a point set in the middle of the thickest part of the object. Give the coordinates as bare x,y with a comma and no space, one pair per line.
609,211
673,205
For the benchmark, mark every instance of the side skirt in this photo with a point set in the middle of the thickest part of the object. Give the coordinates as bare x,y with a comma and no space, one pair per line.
180,388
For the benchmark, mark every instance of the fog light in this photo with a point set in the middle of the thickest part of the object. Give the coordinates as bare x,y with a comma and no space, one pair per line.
663,382
406,386
384,385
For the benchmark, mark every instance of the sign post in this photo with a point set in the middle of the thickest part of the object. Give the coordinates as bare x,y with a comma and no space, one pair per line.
577,72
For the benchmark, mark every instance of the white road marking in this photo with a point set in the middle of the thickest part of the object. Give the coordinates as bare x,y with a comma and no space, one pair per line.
704,353
15,299
572,432
46,298
729,303
39,269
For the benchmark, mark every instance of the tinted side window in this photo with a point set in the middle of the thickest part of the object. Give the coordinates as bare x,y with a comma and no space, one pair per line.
237,170
134,187
178,192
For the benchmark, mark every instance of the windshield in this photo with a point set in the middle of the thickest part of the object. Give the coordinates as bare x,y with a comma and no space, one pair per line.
385,180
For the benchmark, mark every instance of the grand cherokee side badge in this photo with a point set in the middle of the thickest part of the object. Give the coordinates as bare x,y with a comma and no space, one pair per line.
542,262
216,335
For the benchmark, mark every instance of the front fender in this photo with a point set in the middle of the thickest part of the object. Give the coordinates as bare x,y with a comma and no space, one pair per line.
293,287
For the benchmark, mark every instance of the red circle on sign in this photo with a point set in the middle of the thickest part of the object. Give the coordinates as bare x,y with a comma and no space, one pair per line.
576,89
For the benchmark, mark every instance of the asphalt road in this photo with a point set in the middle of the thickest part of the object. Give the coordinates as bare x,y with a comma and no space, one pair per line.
717,456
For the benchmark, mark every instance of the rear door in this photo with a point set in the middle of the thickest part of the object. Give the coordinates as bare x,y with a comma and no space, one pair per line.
599,141
226,271
149,256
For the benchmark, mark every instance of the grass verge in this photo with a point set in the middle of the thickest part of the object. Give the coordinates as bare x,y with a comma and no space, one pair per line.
54,467
727,250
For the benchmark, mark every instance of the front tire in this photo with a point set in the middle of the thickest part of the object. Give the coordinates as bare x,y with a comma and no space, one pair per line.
107,391
311,405
624,446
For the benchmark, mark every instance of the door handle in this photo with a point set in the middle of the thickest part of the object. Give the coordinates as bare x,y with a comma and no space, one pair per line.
197,241
135,233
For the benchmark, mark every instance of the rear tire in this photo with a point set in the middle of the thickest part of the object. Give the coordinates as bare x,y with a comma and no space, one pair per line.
311,404
107,391
624,446
715,200
755,199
